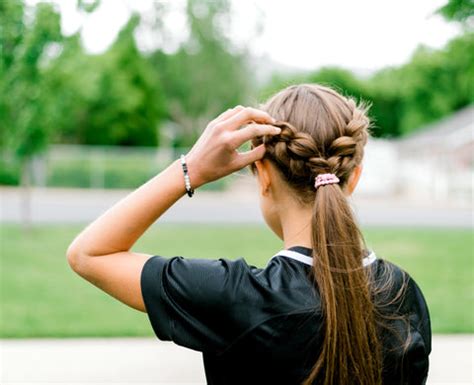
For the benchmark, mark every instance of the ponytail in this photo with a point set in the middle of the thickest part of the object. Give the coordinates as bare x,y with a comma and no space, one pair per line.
350,352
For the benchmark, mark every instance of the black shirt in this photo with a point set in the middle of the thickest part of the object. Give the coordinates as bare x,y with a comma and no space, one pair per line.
263,325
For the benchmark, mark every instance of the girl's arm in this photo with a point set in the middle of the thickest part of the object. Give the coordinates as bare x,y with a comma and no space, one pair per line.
101,252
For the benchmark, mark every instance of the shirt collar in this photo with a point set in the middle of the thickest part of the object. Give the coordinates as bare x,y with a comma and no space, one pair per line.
301,249
308,251
304,254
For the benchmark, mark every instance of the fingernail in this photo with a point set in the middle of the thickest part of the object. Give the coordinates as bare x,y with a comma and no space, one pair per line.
277,130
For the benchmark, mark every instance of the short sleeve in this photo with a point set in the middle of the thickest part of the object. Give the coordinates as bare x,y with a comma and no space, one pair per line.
193,302
407,337
416,361
417,357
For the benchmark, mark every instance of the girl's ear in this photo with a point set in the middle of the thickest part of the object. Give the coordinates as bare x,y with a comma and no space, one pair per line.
263,175
354,178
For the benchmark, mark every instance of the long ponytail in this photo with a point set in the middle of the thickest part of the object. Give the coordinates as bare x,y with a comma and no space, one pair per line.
351,352
324,132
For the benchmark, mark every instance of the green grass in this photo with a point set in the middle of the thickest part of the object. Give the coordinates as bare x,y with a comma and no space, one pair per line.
41,296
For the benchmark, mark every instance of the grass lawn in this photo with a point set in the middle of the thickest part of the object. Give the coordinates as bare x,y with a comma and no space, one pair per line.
41,296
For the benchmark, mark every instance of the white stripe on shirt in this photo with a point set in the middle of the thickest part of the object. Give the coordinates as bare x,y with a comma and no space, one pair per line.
309,261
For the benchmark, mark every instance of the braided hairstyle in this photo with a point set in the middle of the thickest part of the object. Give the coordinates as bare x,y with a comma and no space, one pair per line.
325,132
301,154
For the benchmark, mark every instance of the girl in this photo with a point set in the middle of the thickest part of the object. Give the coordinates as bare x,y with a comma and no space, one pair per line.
325,310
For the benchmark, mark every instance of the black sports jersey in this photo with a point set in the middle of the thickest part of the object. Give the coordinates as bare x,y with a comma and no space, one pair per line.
263,325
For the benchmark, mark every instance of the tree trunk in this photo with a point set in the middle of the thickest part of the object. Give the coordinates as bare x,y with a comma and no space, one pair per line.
25,191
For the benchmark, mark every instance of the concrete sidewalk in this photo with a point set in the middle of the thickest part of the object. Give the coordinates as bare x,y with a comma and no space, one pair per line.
150,361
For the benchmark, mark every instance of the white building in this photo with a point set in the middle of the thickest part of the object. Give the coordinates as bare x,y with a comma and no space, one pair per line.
434,163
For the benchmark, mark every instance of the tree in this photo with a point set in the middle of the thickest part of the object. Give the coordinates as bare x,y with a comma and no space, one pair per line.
123,95
206,75
25,104
458,10
114,98
25,125
433,84
436,83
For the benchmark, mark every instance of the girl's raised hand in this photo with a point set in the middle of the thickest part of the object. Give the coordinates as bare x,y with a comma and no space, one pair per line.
215,154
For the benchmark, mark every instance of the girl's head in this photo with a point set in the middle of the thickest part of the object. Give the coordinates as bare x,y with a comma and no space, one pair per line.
325,132
322,132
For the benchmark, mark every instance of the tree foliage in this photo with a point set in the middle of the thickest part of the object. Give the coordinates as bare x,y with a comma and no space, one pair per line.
25,104
434,83
111,98
458,10
51,90
54,91
204,76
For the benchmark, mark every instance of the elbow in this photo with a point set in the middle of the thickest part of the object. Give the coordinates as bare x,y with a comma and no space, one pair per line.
75,258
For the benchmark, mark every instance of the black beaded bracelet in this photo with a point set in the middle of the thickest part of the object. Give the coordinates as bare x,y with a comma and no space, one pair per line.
187,181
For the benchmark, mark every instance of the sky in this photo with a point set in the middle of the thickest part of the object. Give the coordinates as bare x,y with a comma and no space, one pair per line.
365,35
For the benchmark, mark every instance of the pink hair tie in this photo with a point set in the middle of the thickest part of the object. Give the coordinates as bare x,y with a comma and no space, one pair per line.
323,179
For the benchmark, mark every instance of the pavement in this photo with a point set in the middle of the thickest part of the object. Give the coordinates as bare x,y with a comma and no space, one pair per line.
150,361
51,205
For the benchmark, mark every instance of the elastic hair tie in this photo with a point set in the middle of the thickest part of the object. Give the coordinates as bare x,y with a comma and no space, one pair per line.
323,179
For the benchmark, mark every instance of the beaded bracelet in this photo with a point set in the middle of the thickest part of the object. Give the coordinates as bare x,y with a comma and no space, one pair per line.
187,181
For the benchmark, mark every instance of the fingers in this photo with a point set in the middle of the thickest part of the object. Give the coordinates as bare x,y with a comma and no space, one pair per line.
246,115
252,131
227,114
248,157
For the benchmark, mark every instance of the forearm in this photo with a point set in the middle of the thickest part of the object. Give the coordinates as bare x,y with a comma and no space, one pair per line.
119,227
212,157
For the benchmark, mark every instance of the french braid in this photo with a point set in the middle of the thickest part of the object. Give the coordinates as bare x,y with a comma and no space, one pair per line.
300,159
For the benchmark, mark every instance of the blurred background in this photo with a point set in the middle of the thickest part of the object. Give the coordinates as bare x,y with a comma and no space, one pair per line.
98,96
